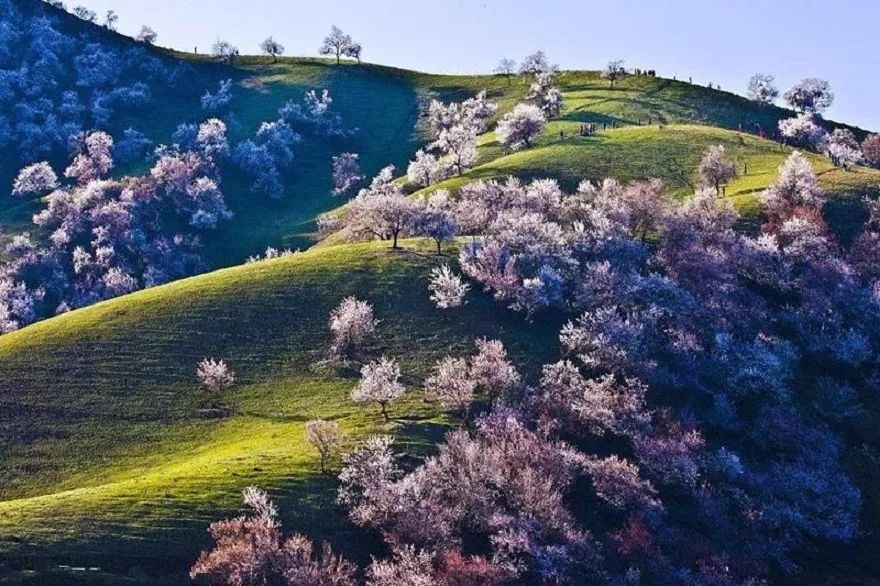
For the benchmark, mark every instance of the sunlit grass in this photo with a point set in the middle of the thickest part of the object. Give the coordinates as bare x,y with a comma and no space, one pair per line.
105,455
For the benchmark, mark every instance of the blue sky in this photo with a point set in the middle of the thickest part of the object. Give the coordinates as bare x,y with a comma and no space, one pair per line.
720,41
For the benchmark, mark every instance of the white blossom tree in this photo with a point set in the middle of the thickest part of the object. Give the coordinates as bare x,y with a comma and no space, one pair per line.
380,383
617,482
272,48
211,138
810,95
796,191
843,148
517,129
544,94
762,88
382,210
716,169
339,44
804,130
408,567
613,72
424,169
459,143
447,289
506,67
251,549
94,159
35,180
471,113
451,385
492,370
346,173
434,218
324,436
352,324
871,149
214,376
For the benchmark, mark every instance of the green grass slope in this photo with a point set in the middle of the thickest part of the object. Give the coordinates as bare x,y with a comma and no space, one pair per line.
106,461
670,153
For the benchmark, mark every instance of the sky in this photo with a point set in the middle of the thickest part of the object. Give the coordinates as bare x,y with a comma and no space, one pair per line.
712,41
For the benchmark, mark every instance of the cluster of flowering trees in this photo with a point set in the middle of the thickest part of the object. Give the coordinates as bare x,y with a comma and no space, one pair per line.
518,128
690,433
383,211
100,237
266,156
454,127
810,97
253,550
54,85
753,350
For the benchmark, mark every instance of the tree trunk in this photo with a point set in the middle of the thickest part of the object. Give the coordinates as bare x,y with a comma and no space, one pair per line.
439,251
394,241
384,411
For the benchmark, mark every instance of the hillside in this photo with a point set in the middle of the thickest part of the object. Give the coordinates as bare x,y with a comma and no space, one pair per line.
106,460
671,153
112,467
385,105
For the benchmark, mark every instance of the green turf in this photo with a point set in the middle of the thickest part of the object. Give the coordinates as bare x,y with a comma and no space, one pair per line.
106,460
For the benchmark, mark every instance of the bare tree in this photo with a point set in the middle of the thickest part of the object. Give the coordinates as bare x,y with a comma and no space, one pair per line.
507,68
324,437
340,44
614,71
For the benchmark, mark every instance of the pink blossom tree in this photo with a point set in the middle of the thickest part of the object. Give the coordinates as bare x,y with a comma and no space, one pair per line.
380,383
352,324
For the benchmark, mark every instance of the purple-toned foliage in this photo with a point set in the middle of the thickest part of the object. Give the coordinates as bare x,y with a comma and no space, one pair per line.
251,550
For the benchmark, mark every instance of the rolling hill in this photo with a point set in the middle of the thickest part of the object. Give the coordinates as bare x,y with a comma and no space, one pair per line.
107,460
110,470
386,104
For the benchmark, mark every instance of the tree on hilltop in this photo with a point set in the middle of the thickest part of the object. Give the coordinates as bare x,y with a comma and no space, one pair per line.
340,44
506,67
536,63
224,50
613,71
762,88
810,95
272,48
147,36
